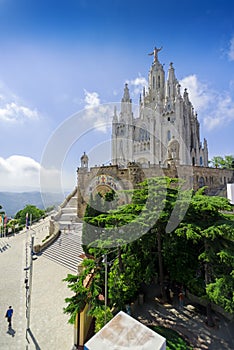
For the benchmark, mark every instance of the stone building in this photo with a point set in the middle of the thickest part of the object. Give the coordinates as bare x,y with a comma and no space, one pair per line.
102,179
164,140
166,129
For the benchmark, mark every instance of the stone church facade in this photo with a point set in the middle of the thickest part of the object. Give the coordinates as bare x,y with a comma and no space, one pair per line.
164,140
167,128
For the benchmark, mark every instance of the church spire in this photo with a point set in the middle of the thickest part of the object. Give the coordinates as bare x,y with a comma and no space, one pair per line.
126,105
126,96
171,82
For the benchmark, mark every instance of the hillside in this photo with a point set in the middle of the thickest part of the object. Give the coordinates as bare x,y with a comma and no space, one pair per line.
12,202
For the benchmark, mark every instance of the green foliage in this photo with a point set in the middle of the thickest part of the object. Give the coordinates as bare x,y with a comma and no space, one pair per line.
49,209
221,292
180,258
196,286
95,208
223,162
102,316
1,211
145,220
32,211
212,234
198,253
174,340
86,288
77,302
124,280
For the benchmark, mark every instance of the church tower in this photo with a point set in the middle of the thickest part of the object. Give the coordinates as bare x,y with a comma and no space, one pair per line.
122,131
167,129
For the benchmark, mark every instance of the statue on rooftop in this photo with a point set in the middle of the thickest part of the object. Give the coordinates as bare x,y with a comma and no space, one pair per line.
155,53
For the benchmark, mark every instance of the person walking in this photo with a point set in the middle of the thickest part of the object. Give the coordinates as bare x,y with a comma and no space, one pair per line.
181,299
9,315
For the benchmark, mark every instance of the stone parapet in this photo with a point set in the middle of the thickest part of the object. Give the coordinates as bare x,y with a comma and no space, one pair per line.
54,231
58,215
96,179
215,307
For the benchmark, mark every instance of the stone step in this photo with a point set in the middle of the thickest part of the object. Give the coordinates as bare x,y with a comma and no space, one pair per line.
70,265
71,259
72,202
66,250
65,224
72,210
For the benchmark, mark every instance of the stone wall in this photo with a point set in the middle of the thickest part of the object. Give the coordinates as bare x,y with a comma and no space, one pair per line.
115,177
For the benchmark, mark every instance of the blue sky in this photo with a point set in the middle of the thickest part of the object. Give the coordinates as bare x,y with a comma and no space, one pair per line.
58,57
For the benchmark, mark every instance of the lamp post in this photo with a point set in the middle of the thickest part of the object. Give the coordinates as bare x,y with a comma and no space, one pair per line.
105,262
28,279
30,283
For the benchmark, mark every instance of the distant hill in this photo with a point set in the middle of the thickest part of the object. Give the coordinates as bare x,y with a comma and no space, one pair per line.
12,202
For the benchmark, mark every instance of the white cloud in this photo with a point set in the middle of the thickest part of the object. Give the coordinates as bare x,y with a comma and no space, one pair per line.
95,114
199,93
231,50
17,171
12,110
214,109
138,84
14,113
222,112
20,173
91,99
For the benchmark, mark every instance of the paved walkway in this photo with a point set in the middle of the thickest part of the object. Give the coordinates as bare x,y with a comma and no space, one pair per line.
49,329
187,322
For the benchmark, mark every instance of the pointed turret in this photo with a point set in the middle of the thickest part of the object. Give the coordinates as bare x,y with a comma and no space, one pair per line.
126,96
115,117
171,83
186,96
84,160
126,105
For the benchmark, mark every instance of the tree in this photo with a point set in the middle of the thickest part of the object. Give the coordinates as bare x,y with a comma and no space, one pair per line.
220,162
1,211
141,241
87,288
206,225
163,193
124,279
151,207
32,211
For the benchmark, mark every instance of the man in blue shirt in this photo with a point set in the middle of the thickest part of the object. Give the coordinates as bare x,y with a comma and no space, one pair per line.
9,315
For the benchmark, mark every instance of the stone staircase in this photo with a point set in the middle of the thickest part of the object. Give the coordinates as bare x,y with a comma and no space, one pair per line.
66,250
68,215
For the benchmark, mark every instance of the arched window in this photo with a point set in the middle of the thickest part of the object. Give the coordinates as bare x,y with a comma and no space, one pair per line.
201,161
153,82
159,81
201,182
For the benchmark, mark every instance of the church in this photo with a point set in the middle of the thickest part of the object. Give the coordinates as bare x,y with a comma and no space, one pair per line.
167,128
163,139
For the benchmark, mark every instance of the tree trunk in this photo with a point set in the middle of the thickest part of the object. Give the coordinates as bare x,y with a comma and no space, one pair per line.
120,259
160,263
210,321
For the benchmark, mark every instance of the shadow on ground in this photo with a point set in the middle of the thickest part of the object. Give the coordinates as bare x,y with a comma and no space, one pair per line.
189,321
